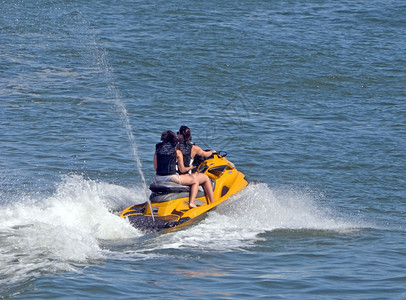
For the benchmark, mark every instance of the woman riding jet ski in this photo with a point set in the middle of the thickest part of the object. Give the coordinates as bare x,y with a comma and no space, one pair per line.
167,157
173,195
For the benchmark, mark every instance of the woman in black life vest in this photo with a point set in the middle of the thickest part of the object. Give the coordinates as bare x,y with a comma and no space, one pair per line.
165,161
189,151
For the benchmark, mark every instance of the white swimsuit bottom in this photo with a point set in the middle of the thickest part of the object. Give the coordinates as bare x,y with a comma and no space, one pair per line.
166,178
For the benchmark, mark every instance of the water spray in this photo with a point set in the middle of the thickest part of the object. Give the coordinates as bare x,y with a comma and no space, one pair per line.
101,56
127,125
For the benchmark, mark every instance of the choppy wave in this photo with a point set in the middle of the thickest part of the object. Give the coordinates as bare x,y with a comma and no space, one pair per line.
238,223
53,234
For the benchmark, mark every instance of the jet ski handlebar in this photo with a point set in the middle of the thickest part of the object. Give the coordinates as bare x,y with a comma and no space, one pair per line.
198,160
219,153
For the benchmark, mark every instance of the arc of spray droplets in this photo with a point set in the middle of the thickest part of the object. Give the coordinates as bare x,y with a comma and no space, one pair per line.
100,56
124,117
88,36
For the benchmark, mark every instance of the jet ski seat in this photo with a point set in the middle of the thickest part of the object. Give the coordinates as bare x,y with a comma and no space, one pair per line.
168,187
166,191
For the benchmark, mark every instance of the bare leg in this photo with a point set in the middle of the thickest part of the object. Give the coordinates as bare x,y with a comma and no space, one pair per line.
204,180
192,196
191,181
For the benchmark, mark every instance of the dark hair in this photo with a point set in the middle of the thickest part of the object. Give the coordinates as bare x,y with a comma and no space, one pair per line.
169,137
185,131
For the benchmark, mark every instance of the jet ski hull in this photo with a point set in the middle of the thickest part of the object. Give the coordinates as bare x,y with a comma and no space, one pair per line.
170,202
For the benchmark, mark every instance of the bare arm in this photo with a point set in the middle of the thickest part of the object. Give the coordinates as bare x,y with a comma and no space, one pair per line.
199,151
181,165
155,162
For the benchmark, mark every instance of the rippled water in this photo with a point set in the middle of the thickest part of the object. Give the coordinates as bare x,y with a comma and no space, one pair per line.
308,99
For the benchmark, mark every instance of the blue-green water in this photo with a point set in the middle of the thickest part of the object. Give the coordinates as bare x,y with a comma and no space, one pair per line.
307,97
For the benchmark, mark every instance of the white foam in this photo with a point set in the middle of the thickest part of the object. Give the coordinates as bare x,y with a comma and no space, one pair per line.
239,222
269,209
49,234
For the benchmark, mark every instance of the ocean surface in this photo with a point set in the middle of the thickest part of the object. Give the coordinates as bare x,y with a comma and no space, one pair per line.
307,97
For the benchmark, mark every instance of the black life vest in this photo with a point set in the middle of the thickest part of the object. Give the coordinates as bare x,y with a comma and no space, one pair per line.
186,149
166,159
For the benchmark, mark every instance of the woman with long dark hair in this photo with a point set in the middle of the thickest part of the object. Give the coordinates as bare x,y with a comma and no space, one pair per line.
189,151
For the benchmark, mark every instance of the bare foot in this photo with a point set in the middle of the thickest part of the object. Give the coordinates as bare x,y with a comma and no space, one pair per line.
192,205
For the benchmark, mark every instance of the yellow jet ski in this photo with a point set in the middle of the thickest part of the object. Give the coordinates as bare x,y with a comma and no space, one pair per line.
169,201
